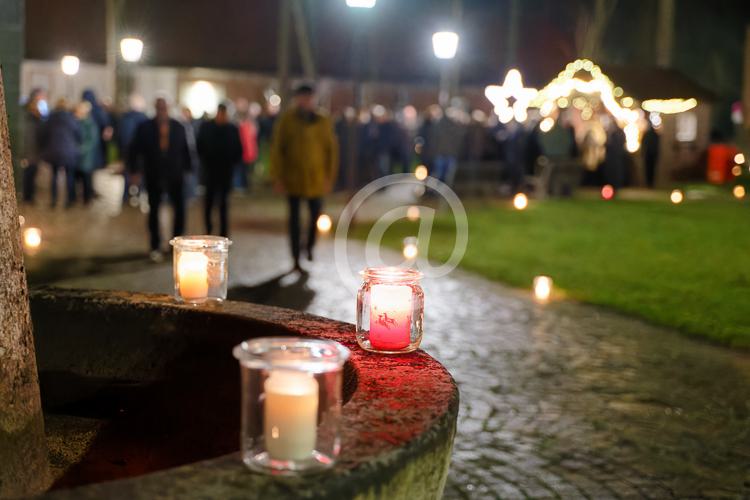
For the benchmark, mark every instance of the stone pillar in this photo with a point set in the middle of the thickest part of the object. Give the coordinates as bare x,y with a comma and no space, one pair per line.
11,56
23,449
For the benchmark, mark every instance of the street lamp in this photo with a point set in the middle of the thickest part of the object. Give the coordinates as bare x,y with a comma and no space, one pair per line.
361,4
131,49
70,65
445,45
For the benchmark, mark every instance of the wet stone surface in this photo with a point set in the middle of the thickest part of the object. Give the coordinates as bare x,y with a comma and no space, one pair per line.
557,401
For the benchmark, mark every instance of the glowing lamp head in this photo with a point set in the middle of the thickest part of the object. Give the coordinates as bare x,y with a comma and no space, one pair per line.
324,223
608,192
412,213
520,201
736,170
676,196
739,158
361,4
70,65
32,238
542,288
445,44
131,49
420,172
738,191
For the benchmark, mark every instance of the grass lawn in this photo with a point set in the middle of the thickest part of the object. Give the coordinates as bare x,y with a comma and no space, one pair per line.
686,266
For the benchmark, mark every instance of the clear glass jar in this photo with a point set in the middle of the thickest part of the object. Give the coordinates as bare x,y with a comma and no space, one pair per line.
291,403
200,268
390,310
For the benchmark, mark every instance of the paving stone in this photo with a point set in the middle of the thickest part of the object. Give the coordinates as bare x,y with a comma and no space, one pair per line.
564,399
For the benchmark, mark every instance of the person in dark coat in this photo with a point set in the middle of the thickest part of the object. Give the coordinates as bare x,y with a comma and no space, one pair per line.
650,146
103,122
220,149
32,127
160,150
60,141
616,157
126,127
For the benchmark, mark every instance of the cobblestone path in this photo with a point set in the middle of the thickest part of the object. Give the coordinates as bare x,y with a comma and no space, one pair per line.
557,401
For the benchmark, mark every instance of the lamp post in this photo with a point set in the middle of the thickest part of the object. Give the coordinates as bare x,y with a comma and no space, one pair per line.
445,46
358,36
69,65
131,50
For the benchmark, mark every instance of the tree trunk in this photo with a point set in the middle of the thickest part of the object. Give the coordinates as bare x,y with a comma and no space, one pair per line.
23,448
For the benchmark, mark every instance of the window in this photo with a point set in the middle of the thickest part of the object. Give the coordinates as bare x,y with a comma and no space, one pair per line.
686,129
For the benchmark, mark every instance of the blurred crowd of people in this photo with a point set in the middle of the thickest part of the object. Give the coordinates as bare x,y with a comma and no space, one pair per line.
165,159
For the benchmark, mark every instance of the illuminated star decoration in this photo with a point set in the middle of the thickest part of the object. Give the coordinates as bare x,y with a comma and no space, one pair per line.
512,87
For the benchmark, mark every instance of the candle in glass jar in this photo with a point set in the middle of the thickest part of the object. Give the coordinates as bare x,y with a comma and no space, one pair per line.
192,271
290,414
390,316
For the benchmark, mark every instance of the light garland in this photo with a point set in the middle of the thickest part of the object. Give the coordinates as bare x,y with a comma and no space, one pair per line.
669,106
567,83
512,87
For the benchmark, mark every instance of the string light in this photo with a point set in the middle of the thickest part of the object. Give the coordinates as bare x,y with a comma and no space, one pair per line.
739,158
736,170
676,196
546,124
738,191
420,172
608,192
512,87
669,106
567,83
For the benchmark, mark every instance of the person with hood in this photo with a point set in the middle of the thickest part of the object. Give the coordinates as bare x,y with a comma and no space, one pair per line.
104,124
86,163
60,141
220,149
304,164
32,126
160,151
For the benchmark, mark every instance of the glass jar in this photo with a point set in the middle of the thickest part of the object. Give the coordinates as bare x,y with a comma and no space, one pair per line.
200,269
291,403
390,310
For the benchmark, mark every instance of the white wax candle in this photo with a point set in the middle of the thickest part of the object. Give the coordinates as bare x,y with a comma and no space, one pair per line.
390,316
290,415
192,272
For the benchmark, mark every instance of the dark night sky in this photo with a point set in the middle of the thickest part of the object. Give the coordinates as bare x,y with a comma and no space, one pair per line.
241,34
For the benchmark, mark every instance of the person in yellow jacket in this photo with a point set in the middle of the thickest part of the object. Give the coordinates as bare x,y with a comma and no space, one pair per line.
304,164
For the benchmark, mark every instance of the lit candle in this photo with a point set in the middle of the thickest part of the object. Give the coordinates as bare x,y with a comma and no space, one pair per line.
192,271
290,414
542,288
32,238
390,316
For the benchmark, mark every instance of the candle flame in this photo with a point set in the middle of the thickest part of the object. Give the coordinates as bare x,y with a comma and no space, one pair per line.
32,238
542,288
520,201
676,196
324,223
